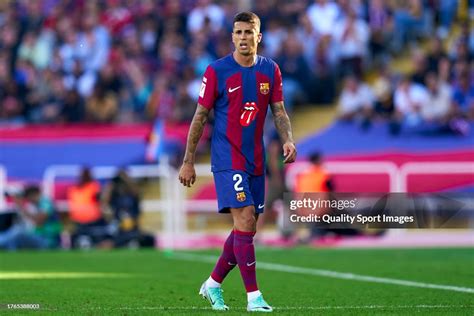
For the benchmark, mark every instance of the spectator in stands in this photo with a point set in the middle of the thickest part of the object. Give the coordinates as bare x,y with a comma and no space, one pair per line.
356,101
460,52
410,98
184,107
38,226
463,97
205,9
306,35
102,106
162,100
447,12
12,108
444,70
275,34
72,110
48,110
85,211
381,26
435,54
419,66
293,69
436,110
467,35
351,36
411,21
324,84
92,43
383,93
323,15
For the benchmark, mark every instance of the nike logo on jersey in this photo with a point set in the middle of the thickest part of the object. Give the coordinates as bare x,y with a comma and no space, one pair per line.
250,264
231,264
260,206
233,89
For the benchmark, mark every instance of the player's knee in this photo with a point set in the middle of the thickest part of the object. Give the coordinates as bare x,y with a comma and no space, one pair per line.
249,222
249,219
245,219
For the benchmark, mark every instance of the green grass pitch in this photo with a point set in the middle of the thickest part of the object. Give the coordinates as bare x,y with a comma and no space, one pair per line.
150,282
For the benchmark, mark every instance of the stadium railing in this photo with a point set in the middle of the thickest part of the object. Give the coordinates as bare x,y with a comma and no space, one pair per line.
174,204
168,202
419,168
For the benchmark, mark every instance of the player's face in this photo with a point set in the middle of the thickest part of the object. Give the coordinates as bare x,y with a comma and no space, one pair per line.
246,37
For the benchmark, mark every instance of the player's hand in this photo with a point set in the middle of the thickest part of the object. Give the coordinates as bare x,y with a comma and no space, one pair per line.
289,152
187,174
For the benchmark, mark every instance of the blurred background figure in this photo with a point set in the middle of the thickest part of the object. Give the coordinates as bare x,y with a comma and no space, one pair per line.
315,179
36,226
409,99
121,197
381,28
276,188
85,211
356,102
351,36
383,88
435,113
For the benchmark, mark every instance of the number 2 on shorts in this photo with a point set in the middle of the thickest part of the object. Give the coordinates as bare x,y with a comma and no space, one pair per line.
238,180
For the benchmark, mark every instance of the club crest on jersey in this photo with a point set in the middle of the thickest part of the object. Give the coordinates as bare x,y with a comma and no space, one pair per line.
241,196
248,114
264,87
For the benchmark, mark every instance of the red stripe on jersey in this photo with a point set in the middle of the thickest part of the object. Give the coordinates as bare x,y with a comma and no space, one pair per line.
277,88
263,98
234,129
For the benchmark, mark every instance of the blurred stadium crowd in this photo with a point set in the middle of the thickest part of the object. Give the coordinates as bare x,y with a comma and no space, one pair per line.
130,60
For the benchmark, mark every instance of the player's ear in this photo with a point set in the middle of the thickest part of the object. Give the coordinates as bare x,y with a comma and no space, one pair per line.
260,35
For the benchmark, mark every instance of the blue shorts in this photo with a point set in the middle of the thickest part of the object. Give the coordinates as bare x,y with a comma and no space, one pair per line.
237,189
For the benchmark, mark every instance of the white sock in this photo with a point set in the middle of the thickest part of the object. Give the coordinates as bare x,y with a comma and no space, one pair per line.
212,283
253,295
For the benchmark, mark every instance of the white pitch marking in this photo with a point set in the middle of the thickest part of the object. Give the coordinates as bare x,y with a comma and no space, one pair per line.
20,275
330,274
283,308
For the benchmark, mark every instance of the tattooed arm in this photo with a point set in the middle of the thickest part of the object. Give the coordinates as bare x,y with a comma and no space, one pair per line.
283,126
187,174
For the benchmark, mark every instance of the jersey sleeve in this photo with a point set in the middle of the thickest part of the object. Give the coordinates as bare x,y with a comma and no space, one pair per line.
208,90
277,91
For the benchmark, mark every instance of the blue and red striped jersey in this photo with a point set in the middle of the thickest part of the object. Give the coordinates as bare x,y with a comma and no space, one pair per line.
240,97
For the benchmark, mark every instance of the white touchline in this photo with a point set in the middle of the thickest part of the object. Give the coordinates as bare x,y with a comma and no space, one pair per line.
329,273
281,307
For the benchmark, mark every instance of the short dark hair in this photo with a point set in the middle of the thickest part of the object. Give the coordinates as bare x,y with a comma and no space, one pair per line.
31,190
315,157
248,17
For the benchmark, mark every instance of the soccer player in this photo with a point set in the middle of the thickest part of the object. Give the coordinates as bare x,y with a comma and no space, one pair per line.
239,87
